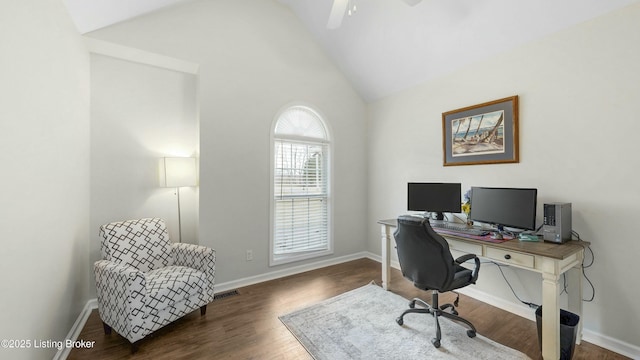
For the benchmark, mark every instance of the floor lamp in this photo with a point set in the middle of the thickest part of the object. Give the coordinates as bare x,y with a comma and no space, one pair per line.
179,172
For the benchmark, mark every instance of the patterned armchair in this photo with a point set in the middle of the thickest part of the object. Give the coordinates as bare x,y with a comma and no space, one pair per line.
144,282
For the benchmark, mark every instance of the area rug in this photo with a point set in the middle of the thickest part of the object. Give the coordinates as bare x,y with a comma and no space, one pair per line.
361,324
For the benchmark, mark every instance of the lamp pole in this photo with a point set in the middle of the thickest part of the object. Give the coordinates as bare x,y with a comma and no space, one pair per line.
179,216
179,172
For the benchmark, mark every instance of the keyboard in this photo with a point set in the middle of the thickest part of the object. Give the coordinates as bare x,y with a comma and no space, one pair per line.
461,228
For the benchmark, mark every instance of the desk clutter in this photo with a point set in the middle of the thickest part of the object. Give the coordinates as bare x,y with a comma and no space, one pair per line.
528,237
487,237
499,207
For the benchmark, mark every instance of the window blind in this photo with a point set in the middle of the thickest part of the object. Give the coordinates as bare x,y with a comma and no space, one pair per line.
301,197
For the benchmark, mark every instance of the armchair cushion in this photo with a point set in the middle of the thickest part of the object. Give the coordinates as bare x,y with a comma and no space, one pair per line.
143,244
172,284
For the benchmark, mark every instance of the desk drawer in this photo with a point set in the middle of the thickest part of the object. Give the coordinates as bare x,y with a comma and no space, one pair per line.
465,247
511,257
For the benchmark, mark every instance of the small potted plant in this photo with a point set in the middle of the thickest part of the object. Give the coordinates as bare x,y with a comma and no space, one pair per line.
466,206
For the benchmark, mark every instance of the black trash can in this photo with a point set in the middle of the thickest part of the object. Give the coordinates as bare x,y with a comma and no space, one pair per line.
568,331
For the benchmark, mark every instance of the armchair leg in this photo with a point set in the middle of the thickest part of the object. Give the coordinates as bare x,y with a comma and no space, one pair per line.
107,328
203,310
134,347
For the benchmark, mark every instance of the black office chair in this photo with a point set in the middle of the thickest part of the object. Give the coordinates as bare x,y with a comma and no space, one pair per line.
425,259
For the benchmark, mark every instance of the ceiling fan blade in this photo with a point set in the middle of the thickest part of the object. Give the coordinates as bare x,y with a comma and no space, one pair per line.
411,2
337,13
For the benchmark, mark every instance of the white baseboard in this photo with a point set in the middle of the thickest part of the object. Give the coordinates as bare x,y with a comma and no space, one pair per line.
524,311
514,308
277,274
612,344
77,328
394,263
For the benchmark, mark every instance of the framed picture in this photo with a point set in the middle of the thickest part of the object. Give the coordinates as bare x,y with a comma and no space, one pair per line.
481,134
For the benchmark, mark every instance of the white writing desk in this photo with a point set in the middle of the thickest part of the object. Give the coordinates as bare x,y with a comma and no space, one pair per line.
549,259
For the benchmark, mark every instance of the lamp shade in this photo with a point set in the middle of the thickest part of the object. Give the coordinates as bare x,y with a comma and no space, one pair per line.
179,172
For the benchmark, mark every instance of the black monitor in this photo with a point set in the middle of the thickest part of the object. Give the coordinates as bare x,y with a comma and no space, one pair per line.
512,207
434,197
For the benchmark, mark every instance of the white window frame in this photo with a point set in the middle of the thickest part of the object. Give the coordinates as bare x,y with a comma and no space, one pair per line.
288,258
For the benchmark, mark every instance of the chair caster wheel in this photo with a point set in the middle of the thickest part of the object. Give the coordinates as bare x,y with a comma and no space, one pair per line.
400,321
471,333
436,343
412,304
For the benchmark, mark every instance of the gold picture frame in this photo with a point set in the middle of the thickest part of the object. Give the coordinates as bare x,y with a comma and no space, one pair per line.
486,133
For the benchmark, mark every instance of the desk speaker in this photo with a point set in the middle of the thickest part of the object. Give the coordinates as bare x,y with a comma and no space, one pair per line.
557,222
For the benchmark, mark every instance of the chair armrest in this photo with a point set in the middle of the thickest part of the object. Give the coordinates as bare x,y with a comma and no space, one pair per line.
121,291
476,269
465,258
198,257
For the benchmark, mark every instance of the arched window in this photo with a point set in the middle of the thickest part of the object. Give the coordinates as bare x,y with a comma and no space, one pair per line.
300,172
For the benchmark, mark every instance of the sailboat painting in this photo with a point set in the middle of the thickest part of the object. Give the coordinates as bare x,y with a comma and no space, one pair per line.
481,134
478,135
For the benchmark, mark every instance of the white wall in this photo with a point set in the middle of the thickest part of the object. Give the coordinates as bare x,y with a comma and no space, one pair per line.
255,57
139,114
44,146
579,103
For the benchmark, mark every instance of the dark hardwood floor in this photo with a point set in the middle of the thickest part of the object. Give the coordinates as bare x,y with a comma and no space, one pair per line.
246,326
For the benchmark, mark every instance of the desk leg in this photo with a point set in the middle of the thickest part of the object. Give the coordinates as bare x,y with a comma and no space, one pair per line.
574,282
550,317
385,231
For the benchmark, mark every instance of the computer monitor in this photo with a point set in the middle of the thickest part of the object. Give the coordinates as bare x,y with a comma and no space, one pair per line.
512,207
434,197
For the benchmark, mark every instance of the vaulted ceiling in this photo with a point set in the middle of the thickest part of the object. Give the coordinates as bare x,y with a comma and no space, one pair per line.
387,45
